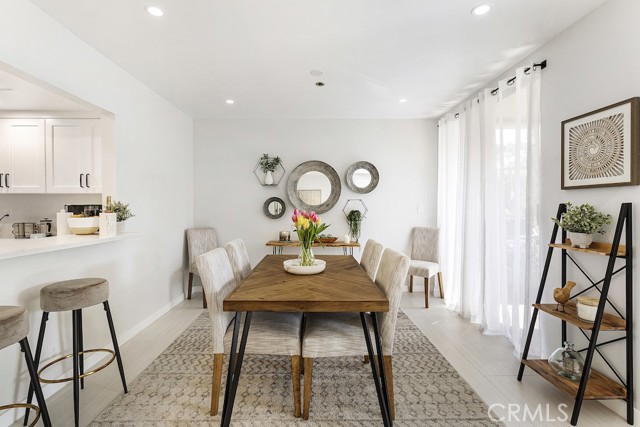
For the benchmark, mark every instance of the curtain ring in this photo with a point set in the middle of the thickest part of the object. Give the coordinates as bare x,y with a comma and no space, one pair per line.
511,81
456,115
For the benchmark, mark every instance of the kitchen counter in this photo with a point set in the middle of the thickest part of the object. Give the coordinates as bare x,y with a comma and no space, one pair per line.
13,248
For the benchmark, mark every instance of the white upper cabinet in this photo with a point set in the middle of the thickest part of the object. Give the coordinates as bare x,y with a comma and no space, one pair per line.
74,156
22,156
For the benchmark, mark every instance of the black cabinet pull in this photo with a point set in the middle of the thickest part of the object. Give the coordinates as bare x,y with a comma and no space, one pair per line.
6,180
86,181
81,186
1,186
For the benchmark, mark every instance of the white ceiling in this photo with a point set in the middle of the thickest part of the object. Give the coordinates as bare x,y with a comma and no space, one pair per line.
434,53
20,94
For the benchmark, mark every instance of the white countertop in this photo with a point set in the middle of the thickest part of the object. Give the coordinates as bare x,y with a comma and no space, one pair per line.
13,248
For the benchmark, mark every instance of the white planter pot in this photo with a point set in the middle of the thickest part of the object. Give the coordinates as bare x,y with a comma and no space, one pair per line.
581,240
268,179
120,227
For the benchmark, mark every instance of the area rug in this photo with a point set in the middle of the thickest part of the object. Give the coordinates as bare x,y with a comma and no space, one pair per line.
175,389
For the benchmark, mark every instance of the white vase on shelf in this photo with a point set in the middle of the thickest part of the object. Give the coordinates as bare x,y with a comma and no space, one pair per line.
268,178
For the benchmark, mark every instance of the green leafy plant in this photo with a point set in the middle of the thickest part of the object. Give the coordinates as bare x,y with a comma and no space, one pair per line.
583,219
269,164
122,210
354,219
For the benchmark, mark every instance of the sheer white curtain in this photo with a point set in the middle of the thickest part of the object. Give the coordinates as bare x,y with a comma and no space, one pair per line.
488,207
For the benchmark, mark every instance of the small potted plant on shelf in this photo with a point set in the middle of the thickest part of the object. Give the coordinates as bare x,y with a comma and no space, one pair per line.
268,165
122,212
581,223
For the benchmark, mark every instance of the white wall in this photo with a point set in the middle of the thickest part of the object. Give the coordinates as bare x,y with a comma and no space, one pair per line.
593,64
154,160
229,197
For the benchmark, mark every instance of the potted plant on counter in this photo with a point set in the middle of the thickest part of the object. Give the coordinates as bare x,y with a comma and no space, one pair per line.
123,213
581,223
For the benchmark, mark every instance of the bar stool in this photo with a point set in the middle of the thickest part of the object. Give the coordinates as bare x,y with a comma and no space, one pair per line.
14,327
74,295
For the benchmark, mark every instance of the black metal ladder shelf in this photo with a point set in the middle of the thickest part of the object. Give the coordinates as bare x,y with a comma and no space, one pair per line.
593,385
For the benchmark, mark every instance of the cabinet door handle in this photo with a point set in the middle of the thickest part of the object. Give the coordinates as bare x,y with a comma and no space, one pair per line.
81,186
6,180
86,181
1,186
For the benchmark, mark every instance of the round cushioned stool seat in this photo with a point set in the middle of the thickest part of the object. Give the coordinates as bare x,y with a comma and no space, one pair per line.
14,325
74,294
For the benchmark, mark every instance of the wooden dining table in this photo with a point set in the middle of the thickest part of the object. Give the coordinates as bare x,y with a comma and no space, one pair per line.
342,287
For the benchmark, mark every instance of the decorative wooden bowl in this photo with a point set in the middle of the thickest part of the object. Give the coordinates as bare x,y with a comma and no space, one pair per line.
325,239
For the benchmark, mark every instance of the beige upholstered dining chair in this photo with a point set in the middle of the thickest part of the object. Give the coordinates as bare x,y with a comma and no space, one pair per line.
425,259
371,257
270,333
237,253
340,334
199,241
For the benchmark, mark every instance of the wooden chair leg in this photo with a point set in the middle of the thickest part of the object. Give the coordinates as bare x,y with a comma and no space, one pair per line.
204,299
426,292
215,382
389,371
365,360
295,377
308,372
440,284
410,283
190,286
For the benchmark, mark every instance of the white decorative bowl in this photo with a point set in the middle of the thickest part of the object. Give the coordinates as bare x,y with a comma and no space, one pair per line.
83,225
293,266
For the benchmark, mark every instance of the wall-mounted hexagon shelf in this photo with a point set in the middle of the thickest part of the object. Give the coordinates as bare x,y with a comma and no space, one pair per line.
352,204
276,176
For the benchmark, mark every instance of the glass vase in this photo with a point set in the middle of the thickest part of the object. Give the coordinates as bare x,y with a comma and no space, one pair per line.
354,230
567,362
306,257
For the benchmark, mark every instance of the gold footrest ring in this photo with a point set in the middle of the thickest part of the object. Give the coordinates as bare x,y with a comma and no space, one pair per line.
25,406
86,374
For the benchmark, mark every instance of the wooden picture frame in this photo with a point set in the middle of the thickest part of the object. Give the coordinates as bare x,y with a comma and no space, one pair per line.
601,148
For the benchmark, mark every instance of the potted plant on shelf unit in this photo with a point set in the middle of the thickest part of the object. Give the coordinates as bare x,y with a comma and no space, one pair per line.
354,219
122,212
581,223
268,165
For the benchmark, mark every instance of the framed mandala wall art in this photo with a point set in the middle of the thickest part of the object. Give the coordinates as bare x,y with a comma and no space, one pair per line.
601,148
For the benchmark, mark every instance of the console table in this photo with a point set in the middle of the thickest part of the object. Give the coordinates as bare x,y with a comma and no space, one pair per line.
277,245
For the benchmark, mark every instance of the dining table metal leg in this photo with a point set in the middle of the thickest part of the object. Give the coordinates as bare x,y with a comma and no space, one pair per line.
379,377
235,365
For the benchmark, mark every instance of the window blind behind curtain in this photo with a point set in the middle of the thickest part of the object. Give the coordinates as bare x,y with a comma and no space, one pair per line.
488,206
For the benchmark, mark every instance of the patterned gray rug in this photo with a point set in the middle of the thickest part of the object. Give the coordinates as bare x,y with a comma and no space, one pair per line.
175,389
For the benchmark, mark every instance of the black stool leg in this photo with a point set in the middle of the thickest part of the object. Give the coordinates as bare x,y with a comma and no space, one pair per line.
114,339
81,348
36,361
35,383
76,368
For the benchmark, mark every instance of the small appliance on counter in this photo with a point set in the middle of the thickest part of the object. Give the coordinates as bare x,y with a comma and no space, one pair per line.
86,210
45,227
24,230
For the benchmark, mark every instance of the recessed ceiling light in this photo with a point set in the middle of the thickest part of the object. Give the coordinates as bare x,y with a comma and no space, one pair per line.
154,11
230,101
402,100
480,9
316,73
319,84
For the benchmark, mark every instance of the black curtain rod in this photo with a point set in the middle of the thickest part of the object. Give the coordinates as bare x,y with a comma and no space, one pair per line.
542,65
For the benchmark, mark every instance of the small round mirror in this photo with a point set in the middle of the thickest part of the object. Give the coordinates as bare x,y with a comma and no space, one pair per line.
274,207
362,177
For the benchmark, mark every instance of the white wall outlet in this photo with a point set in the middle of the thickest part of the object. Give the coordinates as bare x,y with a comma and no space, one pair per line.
419,208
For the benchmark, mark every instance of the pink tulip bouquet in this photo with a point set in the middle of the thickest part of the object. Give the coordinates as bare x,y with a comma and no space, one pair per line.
308,226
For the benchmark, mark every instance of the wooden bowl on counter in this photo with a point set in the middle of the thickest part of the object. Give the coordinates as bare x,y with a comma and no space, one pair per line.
325,239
